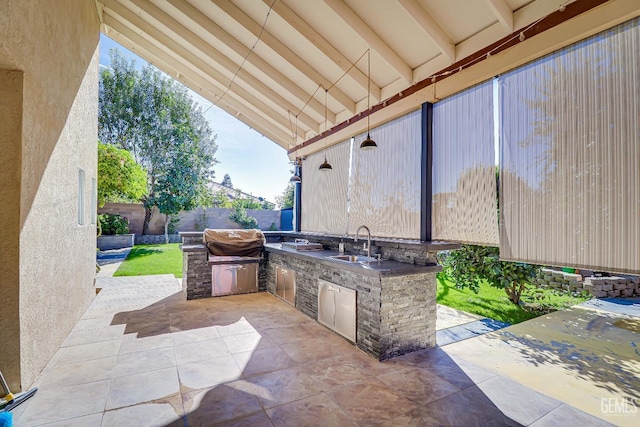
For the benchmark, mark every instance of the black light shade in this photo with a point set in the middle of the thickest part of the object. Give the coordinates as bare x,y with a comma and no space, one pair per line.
368,144
325,165
295,178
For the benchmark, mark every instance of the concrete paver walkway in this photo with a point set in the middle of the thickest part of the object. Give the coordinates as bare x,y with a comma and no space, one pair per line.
588,356
110,260
455,325
142,355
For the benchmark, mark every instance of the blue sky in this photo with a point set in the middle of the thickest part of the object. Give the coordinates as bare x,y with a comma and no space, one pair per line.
255,164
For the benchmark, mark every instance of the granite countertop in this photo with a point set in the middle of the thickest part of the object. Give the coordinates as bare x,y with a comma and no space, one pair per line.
382,268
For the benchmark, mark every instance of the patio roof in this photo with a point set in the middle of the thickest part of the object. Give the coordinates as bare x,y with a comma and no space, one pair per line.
268,62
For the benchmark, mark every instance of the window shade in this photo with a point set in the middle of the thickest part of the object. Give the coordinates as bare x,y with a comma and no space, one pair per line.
385,182
570,181
464,173
324,193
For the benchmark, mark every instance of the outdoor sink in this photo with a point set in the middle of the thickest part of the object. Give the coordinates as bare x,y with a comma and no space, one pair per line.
351,258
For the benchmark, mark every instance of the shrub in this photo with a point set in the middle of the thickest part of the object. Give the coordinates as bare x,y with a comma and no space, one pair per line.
110,224
468,266
239,216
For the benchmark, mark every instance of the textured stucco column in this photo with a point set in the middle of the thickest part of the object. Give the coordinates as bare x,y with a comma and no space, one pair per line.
10,162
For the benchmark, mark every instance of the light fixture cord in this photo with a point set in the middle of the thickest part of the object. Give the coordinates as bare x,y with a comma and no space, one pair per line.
368,90
325,124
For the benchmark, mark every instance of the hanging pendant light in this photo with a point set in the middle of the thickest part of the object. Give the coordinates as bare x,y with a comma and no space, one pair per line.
325,166
295,178
368,143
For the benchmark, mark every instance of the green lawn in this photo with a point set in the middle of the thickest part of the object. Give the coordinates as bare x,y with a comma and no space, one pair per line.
145,260
493,302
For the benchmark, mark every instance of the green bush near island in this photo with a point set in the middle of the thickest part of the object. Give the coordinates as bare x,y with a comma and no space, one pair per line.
494,303
144,260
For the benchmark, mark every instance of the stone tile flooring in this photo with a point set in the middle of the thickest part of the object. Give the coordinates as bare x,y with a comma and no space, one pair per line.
144,356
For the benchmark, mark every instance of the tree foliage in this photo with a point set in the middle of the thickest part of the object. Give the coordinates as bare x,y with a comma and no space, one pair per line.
120,178
154,117
226,181
470,265
285,200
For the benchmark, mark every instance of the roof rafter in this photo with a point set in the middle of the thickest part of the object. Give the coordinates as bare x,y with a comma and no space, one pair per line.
221,59
234,44
502,11
372,38
284,52
431,27
307,31
181,55
158,57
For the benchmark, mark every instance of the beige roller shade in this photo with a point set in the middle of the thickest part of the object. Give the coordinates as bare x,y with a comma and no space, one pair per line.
324,193
464,172
385,182
570,177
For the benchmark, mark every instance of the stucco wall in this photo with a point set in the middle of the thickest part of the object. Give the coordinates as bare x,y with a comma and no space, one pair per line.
11,143
55,44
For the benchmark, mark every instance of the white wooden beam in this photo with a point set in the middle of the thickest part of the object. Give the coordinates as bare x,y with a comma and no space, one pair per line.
305,30
372,38
283,51
184,56
502,11
431,27
167,63
221,59
235,45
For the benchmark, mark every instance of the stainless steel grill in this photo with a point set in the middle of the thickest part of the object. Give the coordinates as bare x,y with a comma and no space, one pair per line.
234,260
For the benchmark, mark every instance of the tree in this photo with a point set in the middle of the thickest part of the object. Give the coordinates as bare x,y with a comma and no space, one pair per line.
155,118
286,199
120,178
471,264
226,181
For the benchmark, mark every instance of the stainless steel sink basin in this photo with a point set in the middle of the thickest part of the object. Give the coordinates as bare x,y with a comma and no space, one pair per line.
351,258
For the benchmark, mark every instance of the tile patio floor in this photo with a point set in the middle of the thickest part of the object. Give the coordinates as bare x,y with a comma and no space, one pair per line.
144,356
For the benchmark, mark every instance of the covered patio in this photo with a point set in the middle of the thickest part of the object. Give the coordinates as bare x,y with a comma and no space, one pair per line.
420,76
142,355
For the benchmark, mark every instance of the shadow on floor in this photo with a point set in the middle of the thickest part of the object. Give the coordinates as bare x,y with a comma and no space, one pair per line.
260,361
598,347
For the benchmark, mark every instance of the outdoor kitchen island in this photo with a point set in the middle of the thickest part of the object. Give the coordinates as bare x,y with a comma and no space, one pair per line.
395,302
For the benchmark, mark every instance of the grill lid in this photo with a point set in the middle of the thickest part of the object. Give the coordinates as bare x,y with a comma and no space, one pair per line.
234,242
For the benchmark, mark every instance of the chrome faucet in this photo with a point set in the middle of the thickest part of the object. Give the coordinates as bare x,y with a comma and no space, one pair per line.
365,246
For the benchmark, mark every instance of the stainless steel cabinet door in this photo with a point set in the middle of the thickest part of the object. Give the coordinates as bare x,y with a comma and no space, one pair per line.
228,279
223,279
345,317
326,304
286,284
247,278
337,309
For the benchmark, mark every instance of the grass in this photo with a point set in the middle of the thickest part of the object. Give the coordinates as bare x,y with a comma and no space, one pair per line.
146,260
493,302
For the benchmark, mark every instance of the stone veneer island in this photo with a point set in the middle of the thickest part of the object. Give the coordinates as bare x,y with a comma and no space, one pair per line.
395,297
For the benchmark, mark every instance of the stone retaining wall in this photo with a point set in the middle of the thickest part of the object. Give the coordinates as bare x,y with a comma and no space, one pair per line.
599,287
148,239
